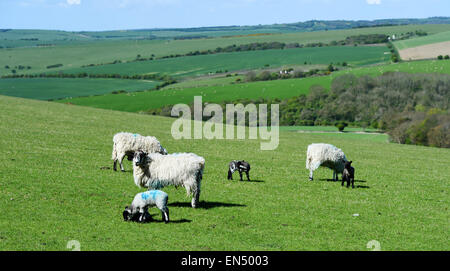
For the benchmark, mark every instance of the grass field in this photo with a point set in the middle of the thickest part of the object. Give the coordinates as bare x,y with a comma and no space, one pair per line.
53,189
81,52
205,64
55,88
415,42
141,101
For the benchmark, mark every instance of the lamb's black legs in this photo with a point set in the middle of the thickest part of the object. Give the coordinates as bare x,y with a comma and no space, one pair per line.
248,175
240,175
230,175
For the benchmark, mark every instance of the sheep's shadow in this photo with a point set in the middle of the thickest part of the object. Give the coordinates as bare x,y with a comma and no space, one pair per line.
340,181
249,181
206,204
178,221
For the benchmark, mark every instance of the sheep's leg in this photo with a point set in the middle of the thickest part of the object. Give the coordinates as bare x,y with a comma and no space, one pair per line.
230,175
142,215
313,166
248,175
195,198
115,165
165,214
121,162
353,182
240,175
343,180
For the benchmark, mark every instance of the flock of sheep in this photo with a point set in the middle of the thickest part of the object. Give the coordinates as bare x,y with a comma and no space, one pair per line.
154,168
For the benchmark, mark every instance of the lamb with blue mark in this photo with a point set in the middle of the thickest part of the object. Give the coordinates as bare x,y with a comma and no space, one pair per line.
138,210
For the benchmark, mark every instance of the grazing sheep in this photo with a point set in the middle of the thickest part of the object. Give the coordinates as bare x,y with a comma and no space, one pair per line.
155,171
240,166
348,175
138,210
325,155
128,143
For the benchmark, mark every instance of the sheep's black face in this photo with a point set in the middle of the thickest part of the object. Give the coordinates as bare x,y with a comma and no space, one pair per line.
129,215
140,158
348,164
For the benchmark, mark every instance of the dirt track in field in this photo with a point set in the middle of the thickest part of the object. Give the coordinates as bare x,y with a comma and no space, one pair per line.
426,51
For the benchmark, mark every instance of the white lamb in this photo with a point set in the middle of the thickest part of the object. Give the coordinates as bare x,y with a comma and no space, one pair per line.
325,155
138,210
128,143
155,171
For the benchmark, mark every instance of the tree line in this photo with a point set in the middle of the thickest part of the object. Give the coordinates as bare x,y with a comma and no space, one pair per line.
411,108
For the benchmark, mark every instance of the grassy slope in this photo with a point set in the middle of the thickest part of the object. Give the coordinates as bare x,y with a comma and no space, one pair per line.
410,43
54,88
204,64
83,53
53,190
269,89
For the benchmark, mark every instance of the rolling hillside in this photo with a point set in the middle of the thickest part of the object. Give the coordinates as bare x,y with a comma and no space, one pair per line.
57,185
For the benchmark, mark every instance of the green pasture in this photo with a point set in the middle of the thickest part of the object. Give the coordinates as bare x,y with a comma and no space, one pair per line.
56,88
57,185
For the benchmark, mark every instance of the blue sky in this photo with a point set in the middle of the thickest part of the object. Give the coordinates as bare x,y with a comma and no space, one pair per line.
75,15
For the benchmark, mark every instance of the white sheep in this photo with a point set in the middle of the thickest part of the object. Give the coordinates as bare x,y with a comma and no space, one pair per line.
325,155
128,143
138,209
155,171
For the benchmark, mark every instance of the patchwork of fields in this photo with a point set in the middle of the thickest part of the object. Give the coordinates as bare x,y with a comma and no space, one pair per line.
56,172
141,101
204,64
73,54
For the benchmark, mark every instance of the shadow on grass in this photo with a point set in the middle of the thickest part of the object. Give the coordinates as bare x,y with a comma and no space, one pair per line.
345,184
206,204
179,221
244,180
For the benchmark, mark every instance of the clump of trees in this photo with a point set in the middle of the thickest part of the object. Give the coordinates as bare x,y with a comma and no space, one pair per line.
289,73
411,108
54,66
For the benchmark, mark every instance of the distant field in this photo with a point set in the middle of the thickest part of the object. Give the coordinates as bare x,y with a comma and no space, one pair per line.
54,88
82,51
204,64
415,42
429,51
141,101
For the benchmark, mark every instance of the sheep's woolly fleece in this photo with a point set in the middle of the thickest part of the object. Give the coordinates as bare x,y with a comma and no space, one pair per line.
150,198
128,142
178,169
326,155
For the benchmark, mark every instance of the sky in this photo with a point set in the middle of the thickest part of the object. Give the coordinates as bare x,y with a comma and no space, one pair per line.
97,15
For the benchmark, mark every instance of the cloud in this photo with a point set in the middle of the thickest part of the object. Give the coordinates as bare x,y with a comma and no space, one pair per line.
74,2
373,2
